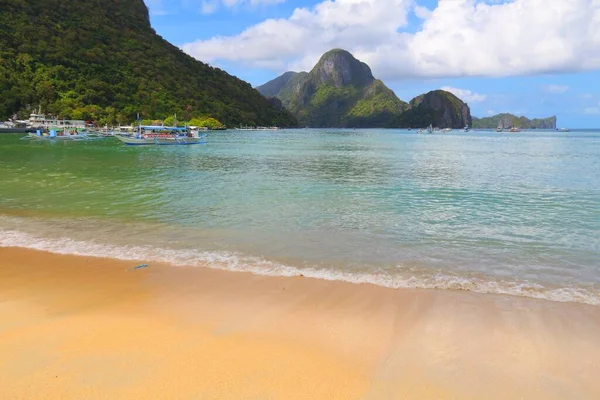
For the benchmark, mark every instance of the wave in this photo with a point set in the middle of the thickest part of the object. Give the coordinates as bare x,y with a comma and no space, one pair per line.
401,278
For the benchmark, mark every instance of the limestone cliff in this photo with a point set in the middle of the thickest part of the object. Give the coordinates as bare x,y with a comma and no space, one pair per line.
340,91
438,108
510,120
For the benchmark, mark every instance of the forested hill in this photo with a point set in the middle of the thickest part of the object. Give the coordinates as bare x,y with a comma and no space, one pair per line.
509,121
340,91
101,60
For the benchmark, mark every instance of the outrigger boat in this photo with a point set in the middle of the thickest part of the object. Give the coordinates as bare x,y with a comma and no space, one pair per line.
163,136
62,134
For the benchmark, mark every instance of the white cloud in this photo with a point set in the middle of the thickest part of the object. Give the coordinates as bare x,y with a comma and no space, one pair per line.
593,110
555,89
209,6
237,3
422,12
465,95
157,7
298,41
458,38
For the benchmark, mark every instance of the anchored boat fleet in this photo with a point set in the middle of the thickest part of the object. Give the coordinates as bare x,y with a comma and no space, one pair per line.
39,127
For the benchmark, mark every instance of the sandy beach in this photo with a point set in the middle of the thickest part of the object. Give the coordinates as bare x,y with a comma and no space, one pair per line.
91,328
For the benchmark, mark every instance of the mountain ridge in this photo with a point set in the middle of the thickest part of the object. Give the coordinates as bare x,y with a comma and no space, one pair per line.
507,120
341,91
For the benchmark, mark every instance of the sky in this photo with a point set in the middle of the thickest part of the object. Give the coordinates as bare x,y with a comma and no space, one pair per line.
536,58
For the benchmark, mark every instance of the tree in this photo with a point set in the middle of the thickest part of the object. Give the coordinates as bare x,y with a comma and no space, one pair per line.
206,122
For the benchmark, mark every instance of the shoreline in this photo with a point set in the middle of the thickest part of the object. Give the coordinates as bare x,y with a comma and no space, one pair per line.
86,327
409,279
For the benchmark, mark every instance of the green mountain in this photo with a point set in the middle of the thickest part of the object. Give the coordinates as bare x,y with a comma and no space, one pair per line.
439,108
509,121
101,60
340,91
271,88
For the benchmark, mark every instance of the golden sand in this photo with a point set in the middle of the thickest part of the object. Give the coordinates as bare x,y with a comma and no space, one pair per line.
89,328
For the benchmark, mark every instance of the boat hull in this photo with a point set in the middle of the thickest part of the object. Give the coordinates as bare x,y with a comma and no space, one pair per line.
16,130
180,141
59,138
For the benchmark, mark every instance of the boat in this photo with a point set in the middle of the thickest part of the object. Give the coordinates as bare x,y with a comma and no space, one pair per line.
563,130
257,128
62,134
515,129
163,136
467,129
429,129
500,128
446,130
11,127
39,120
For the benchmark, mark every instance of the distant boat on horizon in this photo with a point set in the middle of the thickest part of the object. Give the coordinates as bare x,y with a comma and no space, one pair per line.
258,128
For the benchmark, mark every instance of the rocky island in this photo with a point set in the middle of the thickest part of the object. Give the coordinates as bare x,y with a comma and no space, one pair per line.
510,121
341,91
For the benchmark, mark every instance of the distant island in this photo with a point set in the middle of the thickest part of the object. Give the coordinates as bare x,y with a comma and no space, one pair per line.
340,91
102,61
512,121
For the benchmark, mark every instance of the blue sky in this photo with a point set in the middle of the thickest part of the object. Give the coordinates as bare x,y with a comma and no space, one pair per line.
536,58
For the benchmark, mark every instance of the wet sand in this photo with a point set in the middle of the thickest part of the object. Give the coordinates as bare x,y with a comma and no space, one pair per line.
91,328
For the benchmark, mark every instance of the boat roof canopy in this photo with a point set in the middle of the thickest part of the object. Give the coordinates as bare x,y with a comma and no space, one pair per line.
163,128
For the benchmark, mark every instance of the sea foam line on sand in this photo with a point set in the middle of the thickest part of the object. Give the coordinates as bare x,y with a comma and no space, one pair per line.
228,261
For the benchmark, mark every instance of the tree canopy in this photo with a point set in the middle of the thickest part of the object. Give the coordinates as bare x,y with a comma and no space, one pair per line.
101,60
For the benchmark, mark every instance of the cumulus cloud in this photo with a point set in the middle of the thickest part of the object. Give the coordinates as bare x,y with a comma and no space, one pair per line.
465,95
157,7
210,6
457,38
592,110
298,41
422,12
555,89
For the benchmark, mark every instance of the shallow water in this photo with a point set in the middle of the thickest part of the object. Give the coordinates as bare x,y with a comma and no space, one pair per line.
482,211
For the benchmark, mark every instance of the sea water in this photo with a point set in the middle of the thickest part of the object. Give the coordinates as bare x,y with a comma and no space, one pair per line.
482,211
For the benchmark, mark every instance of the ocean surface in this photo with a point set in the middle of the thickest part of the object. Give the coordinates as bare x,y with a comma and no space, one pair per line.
481,211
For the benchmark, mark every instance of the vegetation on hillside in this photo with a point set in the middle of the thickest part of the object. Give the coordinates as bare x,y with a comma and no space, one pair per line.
101,60
510,120
340,91
438,108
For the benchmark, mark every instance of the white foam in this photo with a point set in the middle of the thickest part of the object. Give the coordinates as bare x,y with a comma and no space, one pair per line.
400,279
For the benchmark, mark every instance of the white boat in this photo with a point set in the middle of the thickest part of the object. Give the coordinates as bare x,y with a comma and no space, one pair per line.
163,136
446,130
467,129
40,120
429,129
257,128
563,130
62,134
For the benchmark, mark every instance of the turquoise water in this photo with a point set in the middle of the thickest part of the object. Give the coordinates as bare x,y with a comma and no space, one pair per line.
481,211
